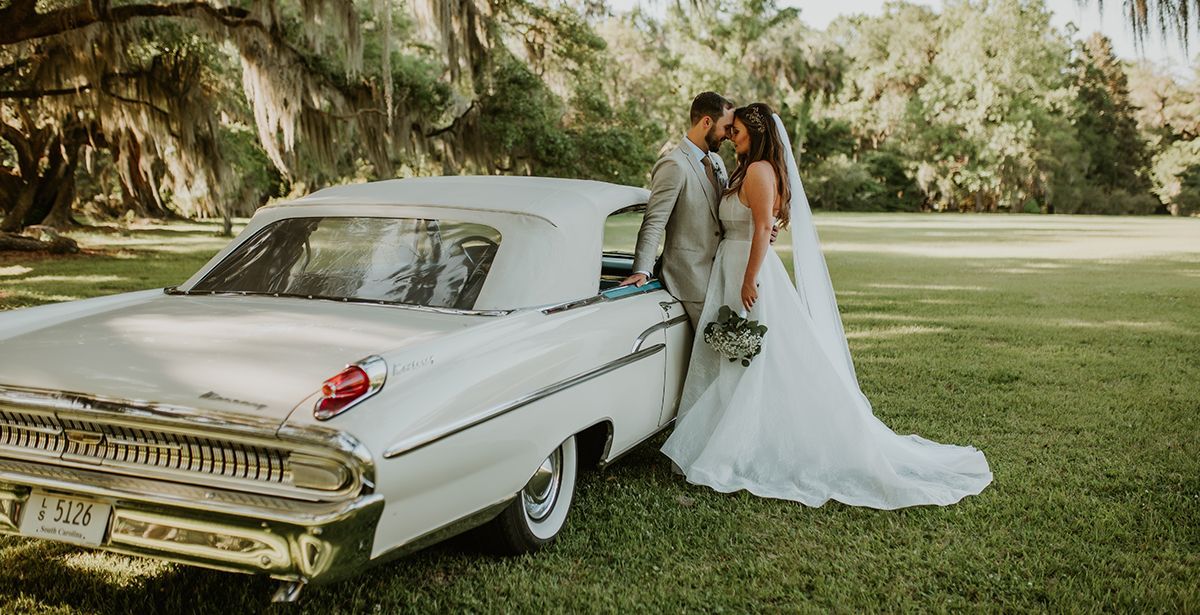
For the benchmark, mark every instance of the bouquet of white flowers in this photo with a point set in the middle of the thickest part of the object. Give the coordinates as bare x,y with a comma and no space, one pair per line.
734,337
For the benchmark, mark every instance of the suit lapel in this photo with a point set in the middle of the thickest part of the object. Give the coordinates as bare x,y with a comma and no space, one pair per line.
702,177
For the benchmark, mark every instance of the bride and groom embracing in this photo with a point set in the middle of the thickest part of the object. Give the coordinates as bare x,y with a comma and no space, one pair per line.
792,423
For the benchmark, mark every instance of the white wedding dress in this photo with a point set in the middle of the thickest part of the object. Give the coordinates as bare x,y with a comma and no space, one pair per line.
794,424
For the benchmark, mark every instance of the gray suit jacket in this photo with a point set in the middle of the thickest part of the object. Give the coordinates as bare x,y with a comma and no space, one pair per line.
682,203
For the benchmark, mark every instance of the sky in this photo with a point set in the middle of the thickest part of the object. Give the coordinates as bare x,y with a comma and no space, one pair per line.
818,13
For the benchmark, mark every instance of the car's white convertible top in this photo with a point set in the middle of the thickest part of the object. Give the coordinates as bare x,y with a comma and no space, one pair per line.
563,202
552,229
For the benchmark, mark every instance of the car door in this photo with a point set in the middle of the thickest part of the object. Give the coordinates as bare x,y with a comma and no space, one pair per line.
669,326
637,315
677,335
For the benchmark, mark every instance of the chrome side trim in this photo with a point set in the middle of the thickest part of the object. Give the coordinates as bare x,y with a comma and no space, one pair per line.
576,303
641,338
174,290
419,442
604,463
612,294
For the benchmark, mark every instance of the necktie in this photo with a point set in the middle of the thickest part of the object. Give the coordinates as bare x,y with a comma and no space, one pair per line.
712,175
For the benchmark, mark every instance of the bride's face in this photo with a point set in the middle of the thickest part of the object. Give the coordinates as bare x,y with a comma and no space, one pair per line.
739,137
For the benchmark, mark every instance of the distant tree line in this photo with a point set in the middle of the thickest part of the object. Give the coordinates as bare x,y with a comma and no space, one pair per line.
202,109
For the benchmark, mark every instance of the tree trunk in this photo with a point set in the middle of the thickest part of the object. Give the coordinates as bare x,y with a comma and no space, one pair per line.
138,192
56,184
14,220
137,195
59,216
48,185
29,143
21,243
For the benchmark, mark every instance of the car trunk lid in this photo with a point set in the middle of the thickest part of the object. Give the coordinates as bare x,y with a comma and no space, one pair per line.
254,355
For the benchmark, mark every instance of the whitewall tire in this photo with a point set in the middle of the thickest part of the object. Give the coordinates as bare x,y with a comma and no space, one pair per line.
535,517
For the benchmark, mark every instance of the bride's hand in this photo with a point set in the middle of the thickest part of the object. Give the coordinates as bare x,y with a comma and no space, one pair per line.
749,294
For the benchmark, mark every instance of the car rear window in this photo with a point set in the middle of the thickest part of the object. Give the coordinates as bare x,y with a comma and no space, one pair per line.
432,263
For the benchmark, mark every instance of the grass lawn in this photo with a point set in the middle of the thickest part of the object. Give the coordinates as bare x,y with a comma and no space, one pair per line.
1066,348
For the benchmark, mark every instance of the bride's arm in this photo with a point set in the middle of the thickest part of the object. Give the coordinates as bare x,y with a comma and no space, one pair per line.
759,190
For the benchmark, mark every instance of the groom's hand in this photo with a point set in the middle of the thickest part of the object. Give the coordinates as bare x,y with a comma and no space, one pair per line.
774,233
636,279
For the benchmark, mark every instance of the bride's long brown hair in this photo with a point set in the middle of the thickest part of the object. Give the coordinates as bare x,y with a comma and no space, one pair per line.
764,145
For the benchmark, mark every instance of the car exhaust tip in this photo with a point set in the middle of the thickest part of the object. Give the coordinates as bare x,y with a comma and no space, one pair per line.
288,591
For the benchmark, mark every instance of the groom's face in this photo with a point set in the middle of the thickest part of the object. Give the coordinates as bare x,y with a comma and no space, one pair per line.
719,131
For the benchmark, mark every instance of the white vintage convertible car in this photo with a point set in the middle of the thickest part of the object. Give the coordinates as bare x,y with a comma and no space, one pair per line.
360,373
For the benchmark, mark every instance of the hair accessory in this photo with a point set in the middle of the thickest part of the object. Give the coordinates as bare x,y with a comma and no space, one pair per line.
754,119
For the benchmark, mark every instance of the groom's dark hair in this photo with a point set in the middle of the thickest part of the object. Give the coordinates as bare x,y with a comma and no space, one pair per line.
709,104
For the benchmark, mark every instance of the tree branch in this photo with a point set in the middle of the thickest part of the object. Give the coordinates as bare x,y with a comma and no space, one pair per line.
30,25
59,245
133,101
455,123
23,146
36,93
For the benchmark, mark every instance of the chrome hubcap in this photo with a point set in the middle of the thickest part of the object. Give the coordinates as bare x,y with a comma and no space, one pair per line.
541,491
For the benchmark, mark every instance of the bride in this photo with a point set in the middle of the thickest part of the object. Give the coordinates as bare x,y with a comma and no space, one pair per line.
794,424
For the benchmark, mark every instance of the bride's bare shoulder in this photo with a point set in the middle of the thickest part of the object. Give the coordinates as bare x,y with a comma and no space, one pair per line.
761,171
760,184
761,167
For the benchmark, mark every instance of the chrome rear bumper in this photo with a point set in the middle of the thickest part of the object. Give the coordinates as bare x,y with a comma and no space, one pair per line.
238,532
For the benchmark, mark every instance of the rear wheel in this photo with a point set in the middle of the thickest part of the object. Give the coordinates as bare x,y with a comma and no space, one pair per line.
534,518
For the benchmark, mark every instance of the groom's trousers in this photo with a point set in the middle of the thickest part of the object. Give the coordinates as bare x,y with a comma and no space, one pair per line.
693,308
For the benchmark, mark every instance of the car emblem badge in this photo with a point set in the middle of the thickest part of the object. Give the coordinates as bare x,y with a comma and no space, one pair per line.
411,365
241,402
84,438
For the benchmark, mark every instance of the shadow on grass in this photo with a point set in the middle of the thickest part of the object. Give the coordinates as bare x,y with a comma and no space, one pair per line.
41,573
175,232
47,576
40,576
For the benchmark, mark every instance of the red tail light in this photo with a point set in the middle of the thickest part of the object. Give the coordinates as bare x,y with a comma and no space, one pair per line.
342,390
350,386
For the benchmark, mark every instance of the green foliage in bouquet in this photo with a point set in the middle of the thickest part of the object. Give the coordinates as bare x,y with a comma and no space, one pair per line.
734,337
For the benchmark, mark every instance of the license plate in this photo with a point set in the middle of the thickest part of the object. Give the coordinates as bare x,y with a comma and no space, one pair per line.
69,519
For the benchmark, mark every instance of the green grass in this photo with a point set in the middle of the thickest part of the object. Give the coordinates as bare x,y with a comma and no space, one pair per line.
146,256
1066,348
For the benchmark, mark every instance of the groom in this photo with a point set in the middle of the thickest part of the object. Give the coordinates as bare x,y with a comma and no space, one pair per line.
685,189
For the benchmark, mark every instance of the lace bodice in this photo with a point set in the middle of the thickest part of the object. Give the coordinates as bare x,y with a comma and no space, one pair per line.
736,218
